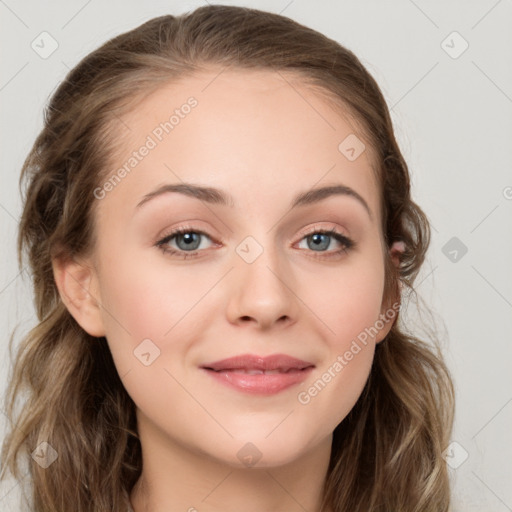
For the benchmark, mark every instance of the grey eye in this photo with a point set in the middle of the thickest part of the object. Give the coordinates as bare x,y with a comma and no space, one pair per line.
191,241
319,241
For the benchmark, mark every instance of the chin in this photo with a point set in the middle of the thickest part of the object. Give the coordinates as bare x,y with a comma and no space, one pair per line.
260,452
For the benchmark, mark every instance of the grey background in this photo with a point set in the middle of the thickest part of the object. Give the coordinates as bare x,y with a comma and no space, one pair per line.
453,119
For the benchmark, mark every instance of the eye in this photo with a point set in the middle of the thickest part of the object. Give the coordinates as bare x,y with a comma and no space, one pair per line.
320,240
182,241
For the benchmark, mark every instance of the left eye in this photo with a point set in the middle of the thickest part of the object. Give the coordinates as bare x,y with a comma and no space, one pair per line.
185,240
319,241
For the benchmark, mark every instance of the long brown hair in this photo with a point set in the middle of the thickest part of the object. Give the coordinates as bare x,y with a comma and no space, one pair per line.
386,454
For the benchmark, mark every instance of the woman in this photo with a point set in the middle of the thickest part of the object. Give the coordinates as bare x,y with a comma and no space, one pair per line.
219,223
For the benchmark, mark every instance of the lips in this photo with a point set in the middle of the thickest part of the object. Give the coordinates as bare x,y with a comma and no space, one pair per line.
256,374
278,363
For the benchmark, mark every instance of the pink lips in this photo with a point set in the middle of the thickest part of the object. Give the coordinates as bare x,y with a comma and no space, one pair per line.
260,375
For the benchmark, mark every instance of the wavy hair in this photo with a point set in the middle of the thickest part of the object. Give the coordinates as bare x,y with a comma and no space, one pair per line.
386,454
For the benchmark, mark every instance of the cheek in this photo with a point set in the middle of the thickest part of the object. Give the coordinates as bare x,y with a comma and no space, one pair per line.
349,306
150,320
140,302
348,301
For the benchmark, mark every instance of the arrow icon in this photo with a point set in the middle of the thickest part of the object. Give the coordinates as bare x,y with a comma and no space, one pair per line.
455,455
44,454
249,455
44,45
454,249
351,147
454,45
249,253
146,352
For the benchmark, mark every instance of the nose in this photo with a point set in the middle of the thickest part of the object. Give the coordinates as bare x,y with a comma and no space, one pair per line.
262,293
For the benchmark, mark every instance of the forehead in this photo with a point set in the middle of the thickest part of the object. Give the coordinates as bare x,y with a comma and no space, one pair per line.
287,95
258,130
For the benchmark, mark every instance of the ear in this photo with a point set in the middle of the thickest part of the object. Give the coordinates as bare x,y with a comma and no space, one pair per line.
391,307
396,251
78,290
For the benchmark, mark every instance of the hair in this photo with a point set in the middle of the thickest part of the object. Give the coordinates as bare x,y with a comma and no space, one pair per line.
386,454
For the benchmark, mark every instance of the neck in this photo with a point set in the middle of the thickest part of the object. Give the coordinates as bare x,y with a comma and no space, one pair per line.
176,478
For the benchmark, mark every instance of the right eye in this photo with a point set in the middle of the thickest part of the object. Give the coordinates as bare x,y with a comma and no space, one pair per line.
183,242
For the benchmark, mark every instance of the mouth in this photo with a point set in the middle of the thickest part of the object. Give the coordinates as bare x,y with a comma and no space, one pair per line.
259,375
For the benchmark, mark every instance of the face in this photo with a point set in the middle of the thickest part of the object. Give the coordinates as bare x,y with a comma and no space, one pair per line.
240,305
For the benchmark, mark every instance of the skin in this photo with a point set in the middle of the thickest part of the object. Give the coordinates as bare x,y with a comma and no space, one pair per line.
255,136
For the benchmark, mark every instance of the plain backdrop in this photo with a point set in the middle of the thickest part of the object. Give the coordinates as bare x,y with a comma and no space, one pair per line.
445,69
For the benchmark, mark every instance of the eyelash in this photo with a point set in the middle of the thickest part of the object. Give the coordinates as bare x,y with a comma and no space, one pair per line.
346,242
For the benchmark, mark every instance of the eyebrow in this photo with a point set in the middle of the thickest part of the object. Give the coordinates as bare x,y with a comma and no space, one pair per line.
218,196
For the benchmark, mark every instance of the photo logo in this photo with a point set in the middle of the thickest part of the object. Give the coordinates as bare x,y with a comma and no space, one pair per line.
146,352
304,397
455,455
44,45
454,45
352,147
45,455
249,455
